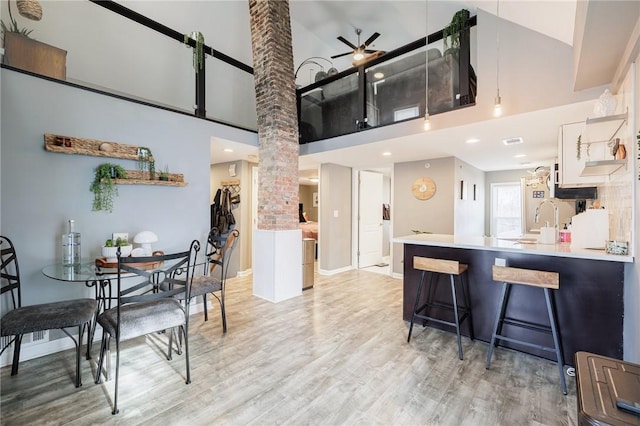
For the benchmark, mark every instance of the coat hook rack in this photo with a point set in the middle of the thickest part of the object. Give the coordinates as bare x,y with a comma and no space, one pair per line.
232,184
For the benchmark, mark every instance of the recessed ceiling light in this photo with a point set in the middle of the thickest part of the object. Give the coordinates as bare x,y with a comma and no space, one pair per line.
519,155
386,154
378,75
472,140
513,141
228,150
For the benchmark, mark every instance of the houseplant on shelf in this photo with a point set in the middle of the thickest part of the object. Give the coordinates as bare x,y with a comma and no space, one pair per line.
104,187
28,54
146,162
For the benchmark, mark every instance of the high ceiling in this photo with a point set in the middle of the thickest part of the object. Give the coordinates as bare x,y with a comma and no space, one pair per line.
588,36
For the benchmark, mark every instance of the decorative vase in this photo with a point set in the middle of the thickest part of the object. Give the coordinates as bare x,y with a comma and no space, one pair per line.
605,105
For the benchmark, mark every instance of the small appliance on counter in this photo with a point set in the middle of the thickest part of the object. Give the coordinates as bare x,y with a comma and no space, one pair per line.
590,229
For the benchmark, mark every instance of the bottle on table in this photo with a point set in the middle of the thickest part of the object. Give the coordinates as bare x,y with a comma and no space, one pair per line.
71,253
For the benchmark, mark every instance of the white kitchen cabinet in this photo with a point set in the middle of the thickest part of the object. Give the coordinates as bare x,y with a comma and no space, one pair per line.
596,161
569,166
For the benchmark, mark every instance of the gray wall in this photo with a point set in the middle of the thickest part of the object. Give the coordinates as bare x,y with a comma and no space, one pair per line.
335,233
435,215
41,190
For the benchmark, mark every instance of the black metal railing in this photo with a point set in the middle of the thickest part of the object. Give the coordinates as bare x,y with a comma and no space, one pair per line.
389,89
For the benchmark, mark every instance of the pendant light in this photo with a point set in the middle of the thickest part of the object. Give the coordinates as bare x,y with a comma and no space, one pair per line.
427,122
497,106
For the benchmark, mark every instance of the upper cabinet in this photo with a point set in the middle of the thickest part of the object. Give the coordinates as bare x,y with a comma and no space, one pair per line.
587,151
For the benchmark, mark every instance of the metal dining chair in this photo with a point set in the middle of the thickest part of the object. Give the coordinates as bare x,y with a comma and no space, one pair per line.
149,306
213,281
22,320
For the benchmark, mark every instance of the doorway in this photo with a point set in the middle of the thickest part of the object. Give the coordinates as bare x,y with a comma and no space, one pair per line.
373,221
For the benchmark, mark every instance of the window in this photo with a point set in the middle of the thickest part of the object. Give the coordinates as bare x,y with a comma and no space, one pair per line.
506,209
406,113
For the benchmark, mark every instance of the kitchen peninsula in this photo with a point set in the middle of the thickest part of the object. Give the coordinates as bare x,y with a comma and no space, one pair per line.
589,302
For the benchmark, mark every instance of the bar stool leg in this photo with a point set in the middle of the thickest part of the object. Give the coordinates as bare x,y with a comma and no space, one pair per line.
455,315
467,302
415,305
556,339
499,315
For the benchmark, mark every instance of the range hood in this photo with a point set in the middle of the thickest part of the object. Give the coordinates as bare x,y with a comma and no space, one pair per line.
603,167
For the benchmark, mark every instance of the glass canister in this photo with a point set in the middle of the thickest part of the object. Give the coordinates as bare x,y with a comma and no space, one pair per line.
71,253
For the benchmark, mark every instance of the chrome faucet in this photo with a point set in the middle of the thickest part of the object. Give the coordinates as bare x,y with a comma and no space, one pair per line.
556,220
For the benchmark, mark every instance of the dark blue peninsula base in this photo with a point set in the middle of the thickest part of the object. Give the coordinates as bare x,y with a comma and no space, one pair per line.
589,302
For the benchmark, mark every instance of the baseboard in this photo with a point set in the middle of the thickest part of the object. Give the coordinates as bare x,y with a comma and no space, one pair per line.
335,271
245,273
397,275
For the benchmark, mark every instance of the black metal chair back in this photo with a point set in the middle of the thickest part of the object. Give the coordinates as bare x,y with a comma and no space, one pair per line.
10,272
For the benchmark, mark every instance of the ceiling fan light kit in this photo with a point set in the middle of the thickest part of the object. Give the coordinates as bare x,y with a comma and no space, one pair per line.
358,51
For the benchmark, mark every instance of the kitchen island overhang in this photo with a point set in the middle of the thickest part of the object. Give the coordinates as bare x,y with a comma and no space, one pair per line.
589,302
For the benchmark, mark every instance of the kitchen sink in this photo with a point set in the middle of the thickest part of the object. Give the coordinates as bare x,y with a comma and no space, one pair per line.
521,240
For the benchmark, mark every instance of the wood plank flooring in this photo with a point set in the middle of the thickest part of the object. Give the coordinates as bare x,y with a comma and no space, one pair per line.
336,355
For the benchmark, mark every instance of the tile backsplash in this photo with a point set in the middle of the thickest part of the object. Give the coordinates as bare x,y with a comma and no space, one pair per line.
617,198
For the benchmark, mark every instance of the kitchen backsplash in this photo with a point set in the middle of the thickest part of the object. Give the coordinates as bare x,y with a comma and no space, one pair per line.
617,198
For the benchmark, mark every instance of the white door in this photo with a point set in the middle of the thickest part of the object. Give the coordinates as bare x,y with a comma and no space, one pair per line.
370,219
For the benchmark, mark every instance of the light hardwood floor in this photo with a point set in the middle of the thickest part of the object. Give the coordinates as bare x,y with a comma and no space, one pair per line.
336,355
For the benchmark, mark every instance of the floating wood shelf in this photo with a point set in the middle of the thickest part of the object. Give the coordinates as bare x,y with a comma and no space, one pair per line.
137,177
80,146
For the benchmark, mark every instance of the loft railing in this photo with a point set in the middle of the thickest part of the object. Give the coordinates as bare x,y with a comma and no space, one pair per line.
123,58
389,89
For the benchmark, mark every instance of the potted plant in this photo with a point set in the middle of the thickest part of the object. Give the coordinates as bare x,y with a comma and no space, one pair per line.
452,31
164,174
23,52
146,162
198,50
104,186
110,248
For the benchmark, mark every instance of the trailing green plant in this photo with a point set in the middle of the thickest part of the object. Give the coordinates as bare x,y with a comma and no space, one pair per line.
452,31
198,51
146,161
104,187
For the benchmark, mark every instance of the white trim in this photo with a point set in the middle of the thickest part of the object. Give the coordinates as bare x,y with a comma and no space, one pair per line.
335,271
397,275
245,273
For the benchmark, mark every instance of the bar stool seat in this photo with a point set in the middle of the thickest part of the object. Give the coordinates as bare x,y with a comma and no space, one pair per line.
542,279
436,267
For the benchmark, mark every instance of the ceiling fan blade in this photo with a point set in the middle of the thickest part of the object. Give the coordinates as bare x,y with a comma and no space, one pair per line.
341,55
370,40
347,42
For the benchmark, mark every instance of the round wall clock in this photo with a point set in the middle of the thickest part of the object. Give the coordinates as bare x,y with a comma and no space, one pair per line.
423,188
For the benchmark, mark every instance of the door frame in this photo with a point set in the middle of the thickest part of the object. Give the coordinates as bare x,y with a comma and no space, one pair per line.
355,204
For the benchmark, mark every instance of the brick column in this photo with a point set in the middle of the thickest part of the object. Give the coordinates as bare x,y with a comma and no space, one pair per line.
277,244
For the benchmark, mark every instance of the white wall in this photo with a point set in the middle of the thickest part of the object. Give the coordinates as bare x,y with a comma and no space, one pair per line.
469,212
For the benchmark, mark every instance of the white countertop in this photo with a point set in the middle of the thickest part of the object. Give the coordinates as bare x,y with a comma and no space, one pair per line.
515,245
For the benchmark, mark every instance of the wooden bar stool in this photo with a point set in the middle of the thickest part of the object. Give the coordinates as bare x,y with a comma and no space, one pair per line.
542,279
454,269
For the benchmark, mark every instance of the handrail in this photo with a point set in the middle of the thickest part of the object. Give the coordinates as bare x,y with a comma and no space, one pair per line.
169,32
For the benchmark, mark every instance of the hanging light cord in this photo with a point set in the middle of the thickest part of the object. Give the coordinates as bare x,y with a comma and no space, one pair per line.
498,49
427,123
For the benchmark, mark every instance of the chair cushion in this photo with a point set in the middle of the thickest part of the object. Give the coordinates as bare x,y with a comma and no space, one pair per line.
138,319
202,285
48,316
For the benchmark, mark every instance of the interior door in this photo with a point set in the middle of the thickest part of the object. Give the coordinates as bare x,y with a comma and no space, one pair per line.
370,219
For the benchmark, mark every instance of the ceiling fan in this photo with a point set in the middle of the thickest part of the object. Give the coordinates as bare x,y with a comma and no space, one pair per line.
360,49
